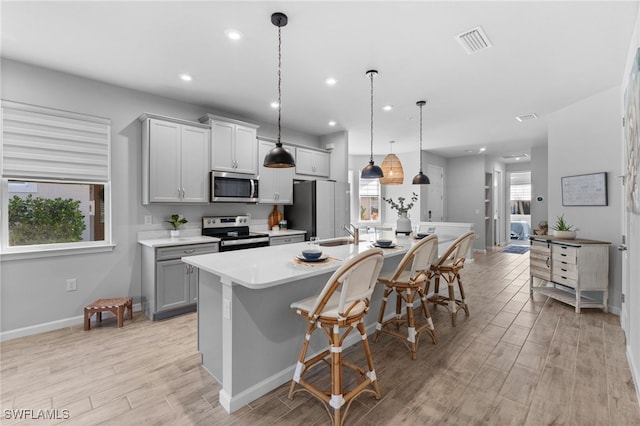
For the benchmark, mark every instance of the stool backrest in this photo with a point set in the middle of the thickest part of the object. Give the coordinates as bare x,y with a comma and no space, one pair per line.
418,259
457,253
355,280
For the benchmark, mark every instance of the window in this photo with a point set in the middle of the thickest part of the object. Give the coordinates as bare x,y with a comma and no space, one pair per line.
521,199
55,180
369,200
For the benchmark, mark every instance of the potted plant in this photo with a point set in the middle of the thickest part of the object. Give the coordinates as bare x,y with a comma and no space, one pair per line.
562,229
404,223
176,221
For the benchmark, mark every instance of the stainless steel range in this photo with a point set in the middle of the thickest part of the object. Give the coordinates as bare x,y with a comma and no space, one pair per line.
233,232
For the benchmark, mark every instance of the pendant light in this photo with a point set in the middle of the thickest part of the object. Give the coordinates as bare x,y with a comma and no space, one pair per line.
392,169
371,171
279,157
421,178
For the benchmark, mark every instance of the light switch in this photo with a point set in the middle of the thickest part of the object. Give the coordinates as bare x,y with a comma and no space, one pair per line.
148,220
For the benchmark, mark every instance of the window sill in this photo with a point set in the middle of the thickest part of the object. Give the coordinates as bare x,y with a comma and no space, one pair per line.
41,252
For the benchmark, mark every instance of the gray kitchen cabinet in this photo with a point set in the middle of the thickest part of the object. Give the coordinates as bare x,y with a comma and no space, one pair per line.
286,239
276,184
170,286
233,144
312,163
175,160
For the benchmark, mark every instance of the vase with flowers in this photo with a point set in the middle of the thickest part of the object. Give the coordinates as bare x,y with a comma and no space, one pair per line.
404,222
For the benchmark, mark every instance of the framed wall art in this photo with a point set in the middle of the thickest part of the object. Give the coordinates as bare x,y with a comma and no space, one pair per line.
585,190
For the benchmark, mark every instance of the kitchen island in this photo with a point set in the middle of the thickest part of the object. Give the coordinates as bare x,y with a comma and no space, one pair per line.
248,335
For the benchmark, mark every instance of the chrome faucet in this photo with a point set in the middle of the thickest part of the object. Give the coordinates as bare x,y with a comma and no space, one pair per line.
355,234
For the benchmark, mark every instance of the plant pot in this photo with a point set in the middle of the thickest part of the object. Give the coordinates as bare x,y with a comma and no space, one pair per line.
403,224
565,235
175,233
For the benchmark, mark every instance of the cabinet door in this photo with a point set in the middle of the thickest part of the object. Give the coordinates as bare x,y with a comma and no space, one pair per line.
164,161
245,150
304,161
276,185
195,165
172,285
321,163
193,284
222,143
284,185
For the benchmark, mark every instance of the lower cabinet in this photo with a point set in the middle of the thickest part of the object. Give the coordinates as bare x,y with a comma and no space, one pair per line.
170,286
286,239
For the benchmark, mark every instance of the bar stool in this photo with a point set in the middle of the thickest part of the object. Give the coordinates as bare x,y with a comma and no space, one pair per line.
408,281
448,266
342,304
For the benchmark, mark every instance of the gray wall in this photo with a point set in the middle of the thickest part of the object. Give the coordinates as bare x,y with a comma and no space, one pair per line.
339,154
585,138
33,291
539,185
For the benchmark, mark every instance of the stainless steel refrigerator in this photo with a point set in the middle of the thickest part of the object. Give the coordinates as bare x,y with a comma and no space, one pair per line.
319,207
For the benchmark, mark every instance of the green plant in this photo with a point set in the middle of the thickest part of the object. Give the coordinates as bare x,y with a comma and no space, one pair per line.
44,220
176,221
562,225
399,206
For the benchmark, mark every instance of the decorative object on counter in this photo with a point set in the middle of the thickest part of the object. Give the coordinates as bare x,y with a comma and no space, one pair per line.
392,169
279,157
562,229
311,254
275,217
283,225
176,221
421,178
384,243
371,171
543,227
403,225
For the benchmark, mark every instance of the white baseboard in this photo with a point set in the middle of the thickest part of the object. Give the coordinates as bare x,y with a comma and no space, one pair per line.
47,326
635,373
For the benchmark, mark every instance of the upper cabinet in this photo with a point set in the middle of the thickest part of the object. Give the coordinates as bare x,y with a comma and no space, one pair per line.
312,163
233,144
276,184
175,160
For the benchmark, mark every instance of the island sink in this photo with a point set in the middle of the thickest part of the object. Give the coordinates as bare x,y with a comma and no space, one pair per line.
338,242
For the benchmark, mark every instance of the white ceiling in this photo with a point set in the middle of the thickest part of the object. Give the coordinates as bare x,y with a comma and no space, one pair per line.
545,55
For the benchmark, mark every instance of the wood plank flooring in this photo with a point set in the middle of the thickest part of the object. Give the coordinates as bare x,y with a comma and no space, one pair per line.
516,360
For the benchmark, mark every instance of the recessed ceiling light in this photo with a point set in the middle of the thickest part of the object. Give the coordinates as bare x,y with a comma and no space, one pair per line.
526,117
233,34
387,107
331,81
483,149
274,105
186,77
332,123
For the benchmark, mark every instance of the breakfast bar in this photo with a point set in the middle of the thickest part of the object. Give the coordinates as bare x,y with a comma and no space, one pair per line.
248,335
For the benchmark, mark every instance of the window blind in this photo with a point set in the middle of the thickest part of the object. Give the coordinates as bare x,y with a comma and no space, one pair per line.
45,143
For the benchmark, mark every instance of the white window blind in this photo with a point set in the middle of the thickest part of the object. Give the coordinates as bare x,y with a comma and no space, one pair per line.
521,192
369,187
44,143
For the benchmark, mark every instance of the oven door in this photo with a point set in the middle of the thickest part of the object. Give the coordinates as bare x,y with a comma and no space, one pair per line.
229,245
234,188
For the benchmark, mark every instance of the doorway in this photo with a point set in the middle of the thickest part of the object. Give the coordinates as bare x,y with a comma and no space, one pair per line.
520,207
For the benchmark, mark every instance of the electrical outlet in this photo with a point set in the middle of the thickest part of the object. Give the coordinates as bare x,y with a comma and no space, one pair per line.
148,220
72,284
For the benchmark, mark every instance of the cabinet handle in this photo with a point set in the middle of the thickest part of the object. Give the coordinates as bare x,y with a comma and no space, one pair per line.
189,250
563,270
547,262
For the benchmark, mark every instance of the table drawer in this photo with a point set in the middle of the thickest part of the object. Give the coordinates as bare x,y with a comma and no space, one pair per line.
564,253
564,280
568,270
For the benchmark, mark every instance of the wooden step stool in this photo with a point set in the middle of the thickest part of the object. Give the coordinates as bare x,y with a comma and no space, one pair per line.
116,306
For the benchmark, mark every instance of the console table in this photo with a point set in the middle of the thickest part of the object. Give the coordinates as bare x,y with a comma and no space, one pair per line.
565,269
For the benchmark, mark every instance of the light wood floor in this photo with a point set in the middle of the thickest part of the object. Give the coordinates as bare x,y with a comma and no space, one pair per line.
514,361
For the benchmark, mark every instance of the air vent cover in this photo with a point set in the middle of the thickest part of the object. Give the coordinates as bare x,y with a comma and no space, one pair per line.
525,117
473,40
515,156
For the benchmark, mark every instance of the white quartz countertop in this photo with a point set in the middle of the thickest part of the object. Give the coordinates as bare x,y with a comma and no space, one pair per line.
179,241
265,267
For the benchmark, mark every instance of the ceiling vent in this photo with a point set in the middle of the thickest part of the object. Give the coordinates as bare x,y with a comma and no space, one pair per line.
526,117
473,40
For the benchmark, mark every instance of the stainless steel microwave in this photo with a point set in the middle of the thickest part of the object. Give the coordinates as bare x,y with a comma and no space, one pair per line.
233,188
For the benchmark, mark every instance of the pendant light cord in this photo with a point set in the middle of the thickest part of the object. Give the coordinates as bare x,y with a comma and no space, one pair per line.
279,81
421,138
371,77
